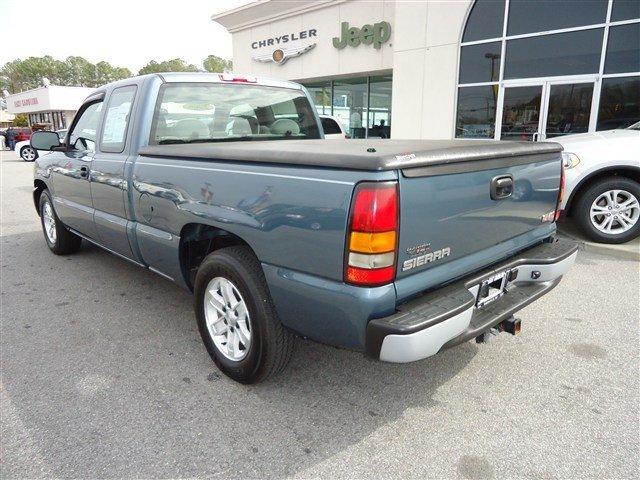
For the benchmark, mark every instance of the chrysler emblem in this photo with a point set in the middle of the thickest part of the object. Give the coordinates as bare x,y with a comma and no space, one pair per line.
281,55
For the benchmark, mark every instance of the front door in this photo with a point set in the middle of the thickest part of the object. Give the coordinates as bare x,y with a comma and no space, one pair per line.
71,185
545,109
108,180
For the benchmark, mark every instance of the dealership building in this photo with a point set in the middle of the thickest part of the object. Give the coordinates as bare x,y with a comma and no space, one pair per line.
50,106
519,69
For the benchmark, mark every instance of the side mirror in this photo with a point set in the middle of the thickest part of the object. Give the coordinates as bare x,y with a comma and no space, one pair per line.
45,140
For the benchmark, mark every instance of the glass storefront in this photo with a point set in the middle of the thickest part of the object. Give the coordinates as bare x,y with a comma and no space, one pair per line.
50,120
361,104
550,68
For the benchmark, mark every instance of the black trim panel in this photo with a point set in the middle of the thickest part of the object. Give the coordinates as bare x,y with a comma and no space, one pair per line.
365,154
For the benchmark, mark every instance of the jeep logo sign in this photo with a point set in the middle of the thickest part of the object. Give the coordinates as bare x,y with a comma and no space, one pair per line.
378,34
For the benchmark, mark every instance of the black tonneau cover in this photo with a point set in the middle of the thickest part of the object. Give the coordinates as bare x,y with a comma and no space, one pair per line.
361,154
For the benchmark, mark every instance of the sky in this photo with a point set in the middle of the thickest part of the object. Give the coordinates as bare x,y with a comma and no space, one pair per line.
125,33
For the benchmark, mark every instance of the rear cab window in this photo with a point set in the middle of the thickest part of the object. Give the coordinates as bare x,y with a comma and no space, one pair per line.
212,112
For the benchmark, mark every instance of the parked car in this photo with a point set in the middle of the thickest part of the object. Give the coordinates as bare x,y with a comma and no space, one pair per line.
603,183
27,152
396,248
23,133
332,128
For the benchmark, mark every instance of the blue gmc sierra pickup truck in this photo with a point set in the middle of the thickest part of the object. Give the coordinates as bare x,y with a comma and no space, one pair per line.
225,185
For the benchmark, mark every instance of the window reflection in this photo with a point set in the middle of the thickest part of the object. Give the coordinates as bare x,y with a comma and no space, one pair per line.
619,103
569,109
527,16
571,53
486,20
480,63
623,49
476,112
625,10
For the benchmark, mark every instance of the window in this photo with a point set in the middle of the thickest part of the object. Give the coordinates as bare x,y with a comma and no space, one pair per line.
527,16
480,63
210,112
476,112
379,123
362,104
485,20
571,53
116,119
619,103
83,135
321,95
569,108
566,66
330,127
623,49
625,10
350,101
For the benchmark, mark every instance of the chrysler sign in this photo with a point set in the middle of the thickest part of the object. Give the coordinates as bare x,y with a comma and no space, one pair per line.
285,50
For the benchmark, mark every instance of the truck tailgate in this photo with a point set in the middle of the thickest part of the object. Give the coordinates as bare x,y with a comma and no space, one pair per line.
447,212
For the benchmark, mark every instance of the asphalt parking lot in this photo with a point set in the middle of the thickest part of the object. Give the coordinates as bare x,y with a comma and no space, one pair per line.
104,376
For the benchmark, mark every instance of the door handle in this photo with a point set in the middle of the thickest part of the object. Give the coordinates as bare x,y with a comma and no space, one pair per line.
501,187
84,171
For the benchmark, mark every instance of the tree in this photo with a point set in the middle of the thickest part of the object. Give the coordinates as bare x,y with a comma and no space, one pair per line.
19,75
174,65
21,120
217,64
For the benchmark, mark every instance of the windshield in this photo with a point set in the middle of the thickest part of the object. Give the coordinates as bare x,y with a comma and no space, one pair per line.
635,126
211,112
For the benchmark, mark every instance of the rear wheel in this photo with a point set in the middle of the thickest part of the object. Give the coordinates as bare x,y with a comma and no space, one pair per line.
609,210
59,239
236,317
28,154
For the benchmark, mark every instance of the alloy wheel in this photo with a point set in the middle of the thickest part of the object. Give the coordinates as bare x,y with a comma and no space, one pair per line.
615,211
28,154
49,223
227,319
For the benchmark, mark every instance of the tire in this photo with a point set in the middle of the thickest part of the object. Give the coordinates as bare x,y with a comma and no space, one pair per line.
605,196
28,154
59,240
270,345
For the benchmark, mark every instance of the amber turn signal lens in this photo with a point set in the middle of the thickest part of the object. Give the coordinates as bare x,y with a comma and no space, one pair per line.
365,242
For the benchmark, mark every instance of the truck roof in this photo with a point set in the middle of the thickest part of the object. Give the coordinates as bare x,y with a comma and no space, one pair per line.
356,154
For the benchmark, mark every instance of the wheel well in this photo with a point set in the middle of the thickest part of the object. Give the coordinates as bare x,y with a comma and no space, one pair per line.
38,187
198,240
626,172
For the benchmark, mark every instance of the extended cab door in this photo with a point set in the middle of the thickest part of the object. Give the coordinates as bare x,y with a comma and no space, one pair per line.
71,186
108,182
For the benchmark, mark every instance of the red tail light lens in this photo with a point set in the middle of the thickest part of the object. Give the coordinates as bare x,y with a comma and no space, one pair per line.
375,208
560,193
373,233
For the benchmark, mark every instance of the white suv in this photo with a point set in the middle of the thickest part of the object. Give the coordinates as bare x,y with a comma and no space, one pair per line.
602,193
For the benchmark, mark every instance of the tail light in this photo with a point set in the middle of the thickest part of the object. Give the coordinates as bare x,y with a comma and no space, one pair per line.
227,77
560,193
373,234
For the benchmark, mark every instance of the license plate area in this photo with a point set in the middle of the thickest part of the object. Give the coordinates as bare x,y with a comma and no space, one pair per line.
492,288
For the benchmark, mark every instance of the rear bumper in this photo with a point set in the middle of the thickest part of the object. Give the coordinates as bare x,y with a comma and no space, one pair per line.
449,316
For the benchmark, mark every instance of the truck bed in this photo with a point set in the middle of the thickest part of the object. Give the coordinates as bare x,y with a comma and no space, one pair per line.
362,154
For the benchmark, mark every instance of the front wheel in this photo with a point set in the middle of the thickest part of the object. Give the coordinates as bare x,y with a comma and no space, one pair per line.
609,210
236,317
28,154
59,239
